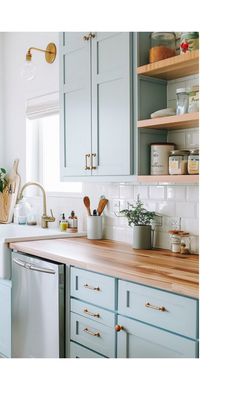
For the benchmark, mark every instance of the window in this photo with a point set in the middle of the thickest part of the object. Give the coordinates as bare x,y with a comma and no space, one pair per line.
43,151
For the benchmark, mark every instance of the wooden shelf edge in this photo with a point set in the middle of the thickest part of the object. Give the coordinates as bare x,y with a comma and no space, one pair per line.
171,68
170,179
188,120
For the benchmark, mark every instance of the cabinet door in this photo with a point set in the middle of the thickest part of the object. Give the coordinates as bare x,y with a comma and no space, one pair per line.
139,340
111,103
75,104
5,318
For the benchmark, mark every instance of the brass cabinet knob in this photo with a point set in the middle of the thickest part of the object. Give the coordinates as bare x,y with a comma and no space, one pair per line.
118,328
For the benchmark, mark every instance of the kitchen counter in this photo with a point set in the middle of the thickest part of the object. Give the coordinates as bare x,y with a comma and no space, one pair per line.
157,268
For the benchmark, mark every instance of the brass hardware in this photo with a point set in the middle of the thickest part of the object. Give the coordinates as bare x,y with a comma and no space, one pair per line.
89,36
93,167
86,330
161,308
92,288
118,328
50,53
90,313
87,167
45,219
86,38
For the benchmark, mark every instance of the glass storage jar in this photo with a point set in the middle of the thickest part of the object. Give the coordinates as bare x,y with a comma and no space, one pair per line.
189,41
162,46
178,162
193,162
182,100
193,102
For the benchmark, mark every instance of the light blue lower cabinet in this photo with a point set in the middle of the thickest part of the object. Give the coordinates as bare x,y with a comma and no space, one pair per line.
78,351
5,318
93,335
138,340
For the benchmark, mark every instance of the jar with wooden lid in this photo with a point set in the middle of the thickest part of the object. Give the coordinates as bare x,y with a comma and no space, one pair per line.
162,46
193,162
178,162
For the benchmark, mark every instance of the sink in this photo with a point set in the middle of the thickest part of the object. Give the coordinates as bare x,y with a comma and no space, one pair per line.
10,233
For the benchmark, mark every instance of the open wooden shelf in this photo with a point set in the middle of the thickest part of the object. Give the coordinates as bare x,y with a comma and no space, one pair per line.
172,68
170,179
188,120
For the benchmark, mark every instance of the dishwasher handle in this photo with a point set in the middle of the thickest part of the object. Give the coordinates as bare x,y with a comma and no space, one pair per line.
27,265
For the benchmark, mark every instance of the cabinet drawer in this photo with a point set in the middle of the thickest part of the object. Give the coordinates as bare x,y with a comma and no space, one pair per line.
97,314
97,337
92,287
159,308
78,351
138,340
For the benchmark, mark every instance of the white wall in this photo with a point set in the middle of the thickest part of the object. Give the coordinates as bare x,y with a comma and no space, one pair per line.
17,90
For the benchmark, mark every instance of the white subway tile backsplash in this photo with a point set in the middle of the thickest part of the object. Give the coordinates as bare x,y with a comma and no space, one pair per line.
192,193
157,192
142,191
166,208
185,209
127,191
176,193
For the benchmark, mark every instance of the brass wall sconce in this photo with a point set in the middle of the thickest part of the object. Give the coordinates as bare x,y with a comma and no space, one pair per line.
29,70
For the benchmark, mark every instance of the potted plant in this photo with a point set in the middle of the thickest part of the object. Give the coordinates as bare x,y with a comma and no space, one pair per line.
140,219
3,180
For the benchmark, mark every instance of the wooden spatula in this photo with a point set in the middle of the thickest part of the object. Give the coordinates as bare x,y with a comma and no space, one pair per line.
102,203
87,204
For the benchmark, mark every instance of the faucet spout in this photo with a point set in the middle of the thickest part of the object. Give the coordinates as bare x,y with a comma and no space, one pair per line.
45,219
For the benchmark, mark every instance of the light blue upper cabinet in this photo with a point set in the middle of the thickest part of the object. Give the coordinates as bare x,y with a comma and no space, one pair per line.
111,103
75,104
5,318
96,104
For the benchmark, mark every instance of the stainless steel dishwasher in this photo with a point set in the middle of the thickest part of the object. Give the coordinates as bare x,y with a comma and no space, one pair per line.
37,308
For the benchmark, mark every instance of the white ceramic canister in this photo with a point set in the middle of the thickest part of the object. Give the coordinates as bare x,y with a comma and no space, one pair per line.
160,158
94,227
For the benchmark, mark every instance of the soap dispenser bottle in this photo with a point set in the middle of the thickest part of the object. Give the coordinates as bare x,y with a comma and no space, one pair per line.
63,223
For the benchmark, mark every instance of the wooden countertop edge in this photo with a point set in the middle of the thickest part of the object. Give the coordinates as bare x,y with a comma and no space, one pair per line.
180,286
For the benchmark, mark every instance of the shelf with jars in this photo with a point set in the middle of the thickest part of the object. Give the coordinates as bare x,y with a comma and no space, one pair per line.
187,120
172,68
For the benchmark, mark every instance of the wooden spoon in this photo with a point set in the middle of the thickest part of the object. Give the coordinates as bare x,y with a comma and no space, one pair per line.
87,204
102,203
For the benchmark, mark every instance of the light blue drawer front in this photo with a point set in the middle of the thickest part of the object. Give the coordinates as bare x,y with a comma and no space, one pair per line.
179,314
92,287
91,312
138,340
78,351
97,337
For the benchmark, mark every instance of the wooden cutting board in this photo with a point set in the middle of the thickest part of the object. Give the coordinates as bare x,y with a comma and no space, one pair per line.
9,196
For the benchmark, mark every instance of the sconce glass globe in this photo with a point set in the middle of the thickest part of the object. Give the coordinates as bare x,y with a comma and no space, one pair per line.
28,71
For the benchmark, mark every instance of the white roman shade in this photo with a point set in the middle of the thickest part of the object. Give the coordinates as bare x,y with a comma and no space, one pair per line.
41,106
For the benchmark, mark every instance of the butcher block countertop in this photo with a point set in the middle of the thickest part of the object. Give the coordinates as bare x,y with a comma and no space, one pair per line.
157,268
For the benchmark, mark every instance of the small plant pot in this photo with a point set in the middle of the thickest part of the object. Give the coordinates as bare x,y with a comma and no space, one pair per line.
142,237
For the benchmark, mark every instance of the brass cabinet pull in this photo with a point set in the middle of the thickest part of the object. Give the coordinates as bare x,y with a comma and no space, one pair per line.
118,328
161,308
87,167
93,167
92,288
90,313
97,334
86,37
89,36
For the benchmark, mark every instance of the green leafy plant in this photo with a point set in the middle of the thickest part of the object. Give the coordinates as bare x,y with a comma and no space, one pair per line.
3,180
137,215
